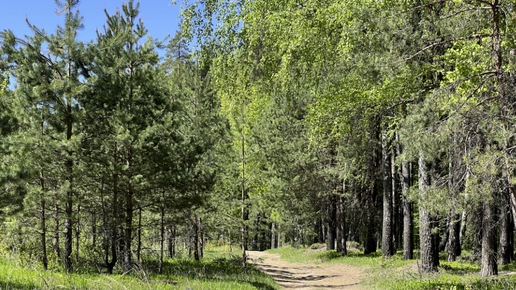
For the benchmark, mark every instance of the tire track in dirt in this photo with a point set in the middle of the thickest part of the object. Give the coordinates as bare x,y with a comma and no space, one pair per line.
307,276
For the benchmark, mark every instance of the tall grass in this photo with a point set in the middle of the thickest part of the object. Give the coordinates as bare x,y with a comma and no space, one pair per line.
216,271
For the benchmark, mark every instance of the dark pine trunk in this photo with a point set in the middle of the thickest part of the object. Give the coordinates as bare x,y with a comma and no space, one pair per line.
444,240
489,253
331,220
477,246
43,226
387,233
57,251
370,240
69,196
429,259
128,237
454,247
505,228
113,241
341,227
408,213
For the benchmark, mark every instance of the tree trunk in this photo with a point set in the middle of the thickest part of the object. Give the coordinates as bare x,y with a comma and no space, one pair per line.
341,226
162,233
139,246
477,246
69,171
279,236
43,226
387,233
77,234
444,240
94,230
408,213
454,247
429,263
505,253
195,241
489,253
463,224
254,243
128,237
397,208
273,236
57,251
331,229
114,218
201,238
370,241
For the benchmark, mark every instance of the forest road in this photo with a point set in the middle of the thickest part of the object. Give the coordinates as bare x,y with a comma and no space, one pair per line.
307,276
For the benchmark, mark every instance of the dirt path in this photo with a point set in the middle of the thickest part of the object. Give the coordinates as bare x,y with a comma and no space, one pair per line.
307,276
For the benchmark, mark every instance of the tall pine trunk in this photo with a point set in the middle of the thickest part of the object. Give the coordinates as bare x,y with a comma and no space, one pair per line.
331,227
429,247
43,226
387,232
69,193
408,213
489,253
505,229
454,247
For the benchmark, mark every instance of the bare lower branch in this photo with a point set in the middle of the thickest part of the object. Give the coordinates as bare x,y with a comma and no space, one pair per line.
473,36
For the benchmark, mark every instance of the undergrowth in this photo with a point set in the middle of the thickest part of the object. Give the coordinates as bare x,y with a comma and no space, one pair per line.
218,270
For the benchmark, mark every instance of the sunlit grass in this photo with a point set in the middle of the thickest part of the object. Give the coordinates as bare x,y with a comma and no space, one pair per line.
218,270
394,273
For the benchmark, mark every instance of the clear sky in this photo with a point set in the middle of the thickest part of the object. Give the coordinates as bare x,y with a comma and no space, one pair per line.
159,17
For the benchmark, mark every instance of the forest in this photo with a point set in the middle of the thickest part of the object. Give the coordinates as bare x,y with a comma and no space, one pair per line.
383,124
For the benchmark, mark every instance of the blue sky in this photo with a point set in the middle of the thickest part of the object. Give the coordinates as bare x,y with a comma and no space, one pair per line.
159,17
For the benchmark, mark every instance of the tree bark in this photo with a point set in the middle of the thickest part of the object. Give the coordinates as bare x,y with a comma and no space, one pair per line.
444,240
201,238
331,228
77,233
429,259
341,227
408,213
387,233
505,228
43,226
370,241
128,237
273,236
162,233
479,230
454,247
139,246
57,251
114,218
489,253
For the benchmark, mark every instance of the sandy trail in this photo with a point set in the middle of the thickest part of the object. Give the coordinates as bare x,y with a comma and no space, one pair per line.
307,276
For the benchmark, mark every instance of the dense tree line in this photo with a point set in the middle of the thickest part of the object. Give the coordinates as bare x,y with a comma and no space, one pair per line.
384,123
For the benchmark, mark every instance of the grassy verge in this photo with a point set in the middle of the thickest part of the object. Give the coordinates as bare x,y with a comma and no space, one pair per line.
216,271
394,273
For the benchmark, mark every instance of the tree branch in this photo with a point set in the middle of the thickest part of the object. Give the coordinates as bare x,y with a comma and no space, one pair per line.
473,36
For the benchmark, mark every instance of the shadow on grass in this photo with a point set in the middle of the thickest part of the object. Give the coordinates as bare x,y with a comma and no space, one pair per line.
219,269
332,255
17,286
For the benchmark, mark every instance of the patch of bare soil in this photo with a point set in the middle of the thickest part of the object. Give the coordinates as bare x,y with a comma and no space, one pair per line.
307,276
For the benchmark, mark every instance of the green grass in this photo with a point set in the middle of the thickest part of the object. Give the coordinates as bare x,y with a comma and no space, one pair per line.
217,271
394,273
